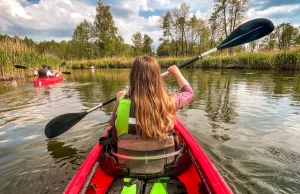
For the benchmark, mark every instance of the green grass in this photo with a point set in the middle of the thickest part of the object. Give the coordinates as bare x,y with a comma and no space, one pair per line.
281,60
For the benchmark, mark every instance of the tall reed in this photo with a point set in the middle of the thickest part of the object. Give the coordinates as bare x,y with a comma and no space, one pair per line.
261,60
15,52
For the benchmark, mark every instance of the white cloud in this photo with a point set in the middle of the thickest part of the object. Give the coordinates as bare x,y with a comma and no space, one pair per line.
130,22
36,20
148,26
56,19
47,15
133,22
201,15
273,10
279,14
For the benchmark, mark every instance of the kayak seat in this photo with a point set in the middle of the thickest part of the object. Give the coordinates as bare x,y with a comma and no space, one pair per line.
149,156
144,158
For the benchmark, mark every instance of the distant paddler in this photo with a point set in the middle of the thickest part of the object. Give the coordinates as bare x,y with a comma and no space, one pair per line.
45,72
55,73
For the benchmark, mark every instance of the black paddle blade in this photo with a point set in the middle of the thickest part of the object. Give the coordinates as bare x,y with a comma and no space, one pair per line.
20,67
62,64
62,123
247,32
65,72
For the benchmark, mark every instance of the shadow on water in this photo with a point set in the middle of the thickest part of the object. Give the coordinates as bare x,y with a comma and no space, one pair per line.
58,150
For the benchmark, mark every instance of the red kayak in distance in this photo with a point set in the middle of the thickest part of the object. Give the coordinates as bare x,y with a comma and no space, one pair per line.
47,81
200,177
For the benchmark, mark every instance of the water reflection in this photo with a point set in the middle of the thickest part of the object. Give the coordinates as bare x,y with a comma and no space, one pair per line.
58,150
103,85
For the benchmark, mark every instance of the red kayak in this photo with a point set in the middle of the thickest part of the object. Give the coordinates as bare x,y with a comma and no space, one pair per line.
47,81
200,176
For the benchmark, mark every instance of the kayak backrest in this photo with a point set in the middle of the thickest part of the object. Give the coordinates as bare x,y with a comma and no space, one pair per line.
147,156
42,73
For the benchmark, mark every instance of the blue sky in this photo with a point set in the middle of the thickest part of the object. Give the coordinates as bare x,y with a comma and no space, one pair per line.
56,19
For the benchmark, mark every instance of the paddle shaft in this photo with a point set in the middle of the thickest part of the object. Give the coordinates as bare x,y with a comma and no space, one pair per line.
193,60
101,104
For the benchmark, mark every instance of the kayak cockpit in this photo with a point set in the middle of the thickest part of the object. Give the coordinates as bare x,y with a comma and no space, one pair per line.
199,175
149,162
101,182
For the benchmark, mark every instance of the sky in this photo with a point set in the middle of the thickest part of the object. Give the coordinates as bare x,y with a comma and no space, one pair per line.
57,19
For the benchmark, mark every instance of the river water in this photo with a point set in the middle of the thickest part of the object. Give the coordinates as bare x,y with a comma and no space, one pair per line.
247,121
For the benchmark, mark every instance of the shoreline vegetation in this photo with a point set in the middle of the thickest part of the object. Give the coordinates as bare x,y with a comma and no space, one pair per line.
280,60
276,60
14,51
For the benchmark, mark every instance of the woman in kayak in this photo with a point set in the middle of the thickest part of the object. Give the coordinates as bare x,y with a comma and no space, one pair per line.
151,109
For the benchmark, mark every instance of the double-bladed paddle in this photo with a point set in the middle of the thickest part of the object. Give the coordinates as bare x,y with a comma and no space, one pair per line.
245,33
61,65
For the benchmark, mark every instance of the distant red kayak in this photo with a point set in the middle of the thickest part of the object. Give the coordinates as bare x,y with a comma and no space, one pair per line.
47,81
200,177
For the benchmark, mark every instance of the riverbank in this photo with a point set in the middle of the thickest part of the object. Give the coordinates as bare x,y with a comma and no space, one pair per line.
15,52
280,60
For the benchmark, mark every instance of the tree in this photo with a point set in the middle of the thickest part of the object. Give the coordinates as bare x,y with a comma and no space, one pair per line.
82,37
163,49
297,36
192,31
285,33
252,45
181,20
138,42
231,13
105,31
213,23
29,42
204,33
147,42
268,43
169,28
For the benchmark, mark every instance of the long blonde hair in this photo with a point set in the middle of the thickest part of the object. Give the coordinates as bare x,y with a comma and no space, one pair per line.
154,108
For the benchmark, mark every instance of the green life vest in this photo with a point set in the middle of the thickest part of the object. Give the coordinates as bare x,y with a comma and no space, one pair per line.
123,119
